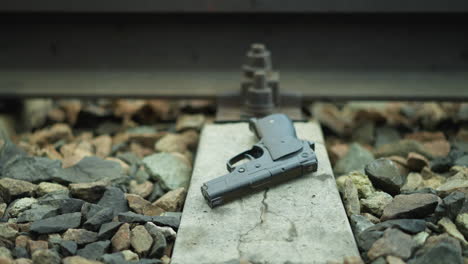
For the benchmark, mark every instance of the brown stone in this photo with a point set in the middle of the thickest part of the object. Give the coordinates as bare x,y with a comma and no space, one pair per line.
79,260
171,143
394,260
136,203
351,198
186,121
146,139
353,260
121,239
12,189
103,146
338,151
47,187
172,201
141,240
90,191
163,109
26,227
6,260
73,153
416,205
35,245
72,109
139,150
22,241
425,136
438,148
56,132
153,210
144,189
127,108
416,162
190,137
50,152
23,261
80,236
394,243
57,115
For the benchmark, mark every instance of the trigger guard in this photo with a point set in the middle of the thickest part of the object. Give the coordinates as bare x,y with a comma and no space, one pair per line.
249,154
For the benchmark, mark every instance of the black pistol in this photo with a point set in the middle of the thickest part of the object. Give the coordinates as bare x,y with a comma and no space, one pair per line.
278,157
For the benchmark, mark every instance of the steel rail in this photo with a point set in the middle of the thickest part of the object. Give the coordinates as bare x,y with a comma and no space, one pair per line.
399,57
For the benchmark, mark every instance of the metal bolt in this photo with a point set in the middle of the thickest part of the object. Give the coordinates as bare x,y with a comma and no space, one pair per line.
241,170
257,166
305,155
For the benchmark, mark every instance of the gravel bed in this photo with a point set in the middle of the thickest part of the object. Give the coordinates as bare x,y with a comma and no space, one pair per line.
401,169
100,181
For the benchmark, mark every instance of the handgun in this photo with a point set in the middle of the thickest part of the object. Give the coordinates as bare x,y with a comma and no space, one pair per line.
278,157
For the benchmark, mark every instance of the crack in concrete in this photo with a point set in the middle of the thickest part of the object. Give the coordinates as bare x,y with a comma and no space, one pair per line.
263,211
292,230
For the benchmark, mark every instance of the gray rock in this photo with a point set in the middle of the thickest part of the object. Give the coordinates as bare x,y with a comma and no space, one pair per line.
366,239
20,252
91,169
413,181
56,224
32,169
88,210
420,238
462,223
439,250
20,206
159,241
401,148
351,198
80,236
8,153
417,205
103,216
45,256
5,252
115,199
37,212
359,223
170,170
451,205
384,174
364,133
393,243
356,159
168,232
441,164
386,135
156,193
130,217
376,203
62,201
114,258
94,250
462,161
68,248
7,231
450,228
48,187
107,230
